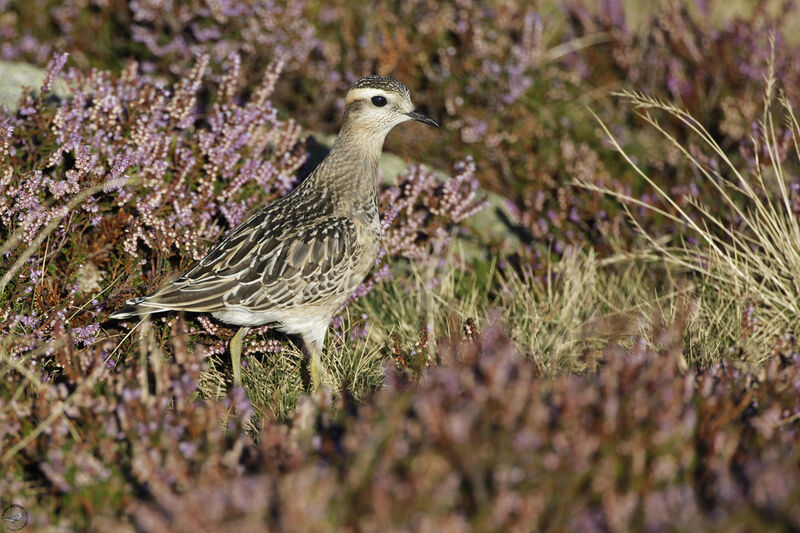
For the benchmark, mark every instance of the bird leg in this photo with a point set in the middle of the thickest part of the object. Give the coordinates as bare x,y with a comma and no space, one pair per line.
315,367
312,350
236,354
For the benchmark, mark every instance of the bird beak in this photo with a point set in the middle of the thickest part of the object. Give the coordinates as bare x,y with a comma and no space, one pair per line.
422,117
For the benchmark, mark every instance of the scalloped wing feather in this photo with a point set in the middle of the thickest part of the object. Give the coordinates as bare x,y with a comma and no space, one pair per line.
261,270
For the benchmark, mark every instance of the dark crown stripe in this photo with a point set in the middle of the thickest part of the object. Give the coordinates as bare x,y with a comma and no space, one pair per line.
380,82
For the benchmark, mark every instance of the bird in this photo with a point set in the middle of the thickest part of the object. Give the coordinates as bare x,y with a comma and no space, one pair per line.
297,260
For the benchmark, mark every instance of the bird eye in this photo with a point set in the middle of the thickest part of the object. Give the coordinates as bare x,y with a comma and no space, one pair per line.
379,101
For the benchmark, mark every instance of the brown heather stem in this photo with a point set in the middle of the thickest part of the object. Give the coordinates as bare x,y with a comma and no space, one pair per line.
37,242
18,363
57,411
16,237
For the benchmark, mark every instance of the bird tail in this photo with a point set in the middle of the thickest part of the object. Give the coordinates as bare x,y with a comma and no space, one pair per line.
199,299
132,309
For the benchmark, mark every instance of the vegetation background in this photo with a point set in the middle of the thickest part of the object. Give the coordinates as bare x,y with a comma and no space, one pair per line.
584,317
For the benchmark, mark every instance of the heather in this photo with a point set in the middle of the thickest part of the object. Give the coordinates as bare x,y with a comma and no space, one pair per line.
583,317
507,78
484,441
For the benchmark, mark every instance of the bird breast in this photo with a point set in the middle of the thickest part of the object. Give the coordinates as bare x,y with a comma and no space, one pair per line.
368,227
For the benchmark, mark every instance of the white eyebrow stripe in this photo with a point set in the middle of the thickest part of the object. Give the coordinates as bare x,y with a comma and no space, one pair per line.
364,93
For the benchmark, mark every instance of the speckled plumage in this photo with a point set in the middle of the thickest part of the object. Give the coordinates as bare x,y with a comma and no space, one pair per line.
296,261
381,82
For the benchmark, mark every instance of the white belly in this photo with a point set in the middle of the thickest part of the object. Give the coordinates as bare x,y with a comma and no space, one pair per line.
309,323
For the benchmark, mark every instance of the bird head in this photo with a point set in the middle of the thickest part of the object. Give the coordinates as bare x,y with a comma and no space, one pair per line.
378,103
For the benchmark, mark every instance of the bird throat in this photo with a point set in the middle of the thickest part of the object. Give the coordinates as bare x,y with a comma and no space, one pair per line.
349,173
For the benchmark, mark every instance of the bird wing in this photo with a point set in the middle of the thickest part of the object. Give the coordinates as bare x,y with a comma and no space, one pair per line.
310,266
268,262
